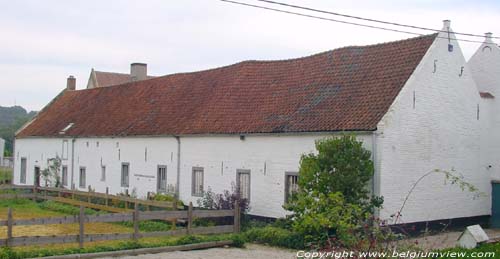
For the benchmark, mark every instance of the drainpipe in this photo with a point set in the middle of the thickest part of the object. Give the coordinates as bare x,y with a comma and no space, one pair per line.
376,171
177,192
72,163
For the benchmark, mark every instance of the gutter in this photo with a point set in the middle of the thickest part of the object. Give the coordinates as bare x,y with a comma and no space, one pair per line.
177,192
72,163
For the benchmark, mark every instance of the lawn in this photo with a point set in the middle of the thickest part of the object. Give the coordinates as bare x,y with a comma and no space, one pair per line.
26,209
5,174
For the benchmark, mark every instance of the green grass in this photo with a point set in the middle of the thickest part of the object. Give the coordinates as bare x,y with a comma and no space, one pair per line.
34,252
5,174
24,208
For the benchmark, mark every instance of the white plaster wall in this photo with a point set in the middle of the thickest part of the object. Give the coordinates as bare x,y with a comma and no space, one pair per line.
36,152
441,132
111,152
485,69
267,158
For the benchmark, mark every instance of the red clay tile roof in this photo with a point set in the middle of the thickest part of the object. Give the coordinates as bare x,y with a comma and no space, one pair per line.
486,95
105,79
345,89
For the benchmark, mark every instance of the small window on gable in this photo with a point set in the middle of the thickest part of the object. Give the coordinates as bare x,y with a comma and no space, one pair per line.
65,175
197,181
291,184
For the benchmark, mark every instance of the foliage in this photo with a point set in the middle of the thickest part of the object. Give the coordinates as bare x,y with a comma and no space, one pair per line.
5,174
64,208
35,252
275,236
51,174
222,201
165,197
11,120
333,206
449,177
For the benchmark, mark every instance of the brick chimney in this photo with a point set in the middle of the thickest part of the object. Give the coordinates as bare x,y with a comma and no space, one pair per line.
138,71
446,25
71,83
488,37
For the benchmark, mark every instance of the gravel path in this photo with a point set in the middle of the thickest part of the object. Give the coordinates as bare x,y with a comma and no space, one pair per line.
251,251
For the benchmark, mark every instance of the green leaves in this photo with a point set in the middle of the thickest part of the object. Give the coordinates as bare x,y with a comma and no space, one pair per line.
333,198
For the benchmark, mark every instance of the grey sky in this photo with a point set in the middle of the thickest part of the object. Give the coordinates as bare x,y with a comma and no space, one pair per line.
42,42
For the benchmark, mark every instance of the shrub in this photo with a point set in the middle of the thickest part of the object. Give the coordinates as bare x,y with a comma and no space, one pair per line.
223,201
275,236
165,197
333,202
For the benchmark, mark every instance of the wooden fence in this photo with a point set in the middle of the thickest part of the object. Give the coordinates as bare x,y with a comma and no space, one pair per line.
89,199
135,216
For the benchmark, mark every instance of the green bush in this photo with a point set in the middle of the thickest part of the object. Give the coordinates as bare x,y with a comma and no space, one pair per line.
165,197
275,237
64,208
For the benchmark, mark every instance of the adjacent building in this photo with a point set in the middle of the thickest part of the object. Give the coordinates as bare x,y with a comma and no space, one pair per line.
416,104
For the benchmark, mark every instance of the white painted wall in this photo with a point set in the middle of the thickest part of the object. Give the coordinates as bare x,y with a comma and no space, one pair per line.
111,152
485,69
277,154
441,132
267,158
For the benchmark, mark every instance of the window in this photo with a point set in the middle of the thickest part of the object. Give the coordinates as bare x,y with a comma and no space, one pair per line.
243,183
103,173
125,174
23,170
83,177
65,175
162,179
197,184
65,150
291,184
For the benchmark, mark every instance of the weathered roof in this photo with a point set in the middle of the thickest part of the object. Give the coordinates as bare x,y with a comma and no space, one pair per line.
345,89
105,79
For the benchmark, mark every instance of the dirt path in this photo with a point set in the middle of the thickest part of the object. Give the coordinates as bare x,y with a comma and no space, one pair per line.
251,251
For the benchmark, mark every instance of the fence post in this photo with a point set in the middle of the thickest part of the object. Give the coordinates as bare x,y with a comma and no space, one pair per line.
81,219
190,218
136,221
9,227
34,192
237,215
107,193
88,194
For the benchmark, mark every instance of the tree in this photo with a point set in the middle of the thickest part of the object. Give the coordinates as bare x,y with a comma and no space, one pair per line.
333,197
51,174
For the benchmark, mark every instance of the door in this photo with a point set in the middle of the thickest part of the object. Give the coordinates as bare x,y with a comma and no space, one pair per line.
495,205
161,182
37,176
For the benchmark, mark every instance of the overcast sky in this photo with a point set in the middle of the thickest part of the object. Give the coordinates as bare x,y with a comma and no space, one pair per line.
42,42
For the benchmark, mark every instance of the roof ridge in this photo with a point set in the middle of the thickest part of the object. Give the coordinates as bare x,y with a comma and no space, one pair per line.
280,60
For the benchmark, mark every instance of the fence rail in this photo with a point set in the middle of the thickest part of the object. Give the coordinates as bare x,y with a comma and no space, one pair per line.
85,198
135,216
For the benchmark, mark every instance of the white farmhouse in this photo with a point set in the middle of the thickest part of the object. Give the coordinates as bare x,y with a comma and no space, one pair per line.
2,151
414,103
